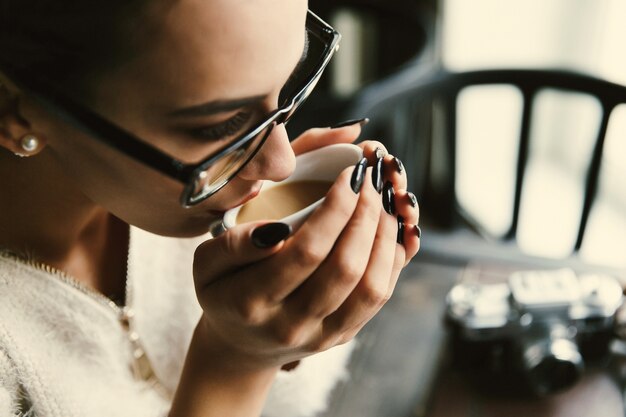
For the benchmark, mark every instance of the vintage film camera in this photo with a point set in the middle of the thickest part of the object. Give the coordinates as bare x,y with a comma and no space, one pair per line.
538,328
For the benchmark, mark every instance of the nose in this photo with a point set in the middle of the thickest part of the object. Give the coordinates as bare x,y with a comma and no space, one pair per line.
275,161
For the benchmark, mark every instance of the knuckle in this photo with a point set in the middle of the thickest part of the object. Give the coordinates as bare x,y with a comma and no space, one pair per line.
372,296
349,270
289,336
313,309
250,311
322,344
308,254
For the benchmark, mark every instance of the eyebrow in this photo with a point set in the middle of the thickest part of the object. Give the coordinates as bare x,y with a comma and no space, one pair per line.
216,106
221,106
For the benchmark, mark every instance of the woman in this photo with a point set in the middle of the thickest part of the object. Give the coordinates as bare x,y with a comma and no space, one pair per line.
126,129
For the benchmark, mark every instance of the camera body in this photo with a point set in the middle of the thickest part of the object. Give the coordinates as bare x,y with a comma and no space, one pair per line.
540,325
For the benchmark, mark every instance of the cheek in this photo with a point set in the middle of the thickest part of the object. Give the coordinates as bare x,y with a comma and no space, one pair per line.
99,169
135,193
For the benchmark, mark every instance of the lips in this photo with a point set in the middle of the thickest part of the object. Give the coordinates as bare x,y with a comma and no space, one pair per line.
249,197
253,193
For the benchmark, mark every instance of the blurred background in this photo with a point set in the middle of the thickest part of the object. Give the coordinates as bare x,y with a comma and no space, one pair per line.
510,117
392,46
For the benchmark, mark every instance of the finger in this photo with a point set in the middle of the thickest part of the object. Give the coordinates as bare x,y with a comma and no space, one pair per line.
386,167
373,289
309,246
337,276
406,206
232,250
372,150
411,241
394,171
366,316
319,137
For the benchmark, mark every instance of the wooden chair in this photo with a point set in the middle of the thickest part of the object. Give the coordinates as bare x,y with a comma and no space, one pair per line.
417,116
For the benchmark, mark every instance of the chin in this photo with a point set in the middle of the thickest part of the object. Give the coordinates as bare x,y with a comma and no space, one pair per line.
187,228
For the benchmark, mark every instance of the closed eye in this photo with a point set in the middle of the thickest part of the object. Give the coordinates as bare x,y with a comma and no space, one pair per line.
224,130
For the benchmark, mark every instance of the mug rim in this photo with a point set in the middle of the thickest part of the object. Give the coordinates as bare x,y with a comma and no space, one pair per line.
346,149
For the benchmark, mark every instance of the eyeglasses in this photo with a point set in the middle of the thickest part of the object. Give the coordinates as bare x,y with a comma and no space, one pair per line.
202,179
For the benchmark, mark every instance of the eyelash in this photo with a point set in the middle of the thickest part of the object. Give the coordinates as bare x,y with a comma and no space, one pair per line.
223,130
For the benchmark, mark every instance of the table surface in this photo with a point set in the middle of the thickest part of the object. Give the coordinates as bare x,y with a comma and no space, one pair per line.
395,364
401,366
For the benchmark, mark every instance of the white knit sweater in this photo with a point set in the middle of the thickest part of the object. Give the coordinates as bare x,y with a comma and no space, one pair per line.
64,352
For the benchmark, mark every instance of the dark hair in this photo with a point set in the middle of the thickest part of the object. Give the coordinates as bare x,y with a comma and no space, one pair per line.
68,41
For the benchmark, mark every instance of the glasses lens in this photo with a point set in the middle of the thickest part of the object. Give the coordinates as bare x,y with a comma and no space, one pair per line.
307,69
319,49
301,97
209,181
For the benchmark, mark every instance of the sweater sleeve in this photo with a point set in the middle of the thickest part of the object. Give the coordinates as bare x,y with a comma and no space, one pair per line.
9,388
305,391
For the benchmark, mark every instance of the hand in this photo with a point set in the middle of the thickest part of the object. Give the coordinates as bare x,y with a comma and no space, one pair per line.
405,202
266,307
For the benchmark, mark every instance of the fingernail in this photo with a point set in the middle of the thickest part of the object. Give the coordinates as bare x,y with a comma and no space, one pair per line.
400,238
351,122
389,203
412,199
358,175
399,164
270,234
418,231
377,175
380,153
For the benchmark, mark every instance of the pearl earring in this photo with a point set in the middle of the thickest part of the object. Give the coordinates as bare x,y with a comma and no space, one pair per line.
30,143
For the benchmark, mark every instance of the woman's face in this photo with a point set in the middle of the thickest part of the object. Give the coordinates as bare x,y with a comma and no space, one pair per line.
206,72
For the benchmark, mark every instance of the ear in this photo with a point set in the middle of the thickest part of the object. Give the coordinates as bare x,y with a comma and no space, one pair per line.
16,134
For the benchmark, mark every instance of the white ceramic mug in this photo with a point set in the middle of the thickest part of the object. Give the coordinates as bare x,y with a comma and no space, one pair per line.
323,164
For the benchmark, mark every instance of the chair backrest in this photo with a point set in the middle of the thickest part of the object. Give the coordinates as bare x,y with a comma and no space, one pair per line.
419,118
380,38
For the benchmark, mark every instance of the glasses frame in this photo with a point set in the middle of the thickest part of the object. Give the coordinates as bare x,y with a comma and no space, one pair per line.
98,127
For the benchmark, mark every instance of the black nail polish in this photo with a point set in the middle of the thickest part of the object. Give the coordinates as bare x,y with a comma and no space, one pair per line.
399,164
351,122
418,231
389,203
412,199
358,175
377,175
270,234
400,238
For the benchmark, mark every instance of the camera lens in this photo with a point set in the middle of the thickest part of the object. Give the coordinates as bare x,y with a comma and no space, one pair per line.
552,365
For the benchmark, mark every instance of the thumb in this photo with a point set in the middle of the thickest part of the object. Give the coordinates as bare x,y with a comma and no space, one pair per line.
236,248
